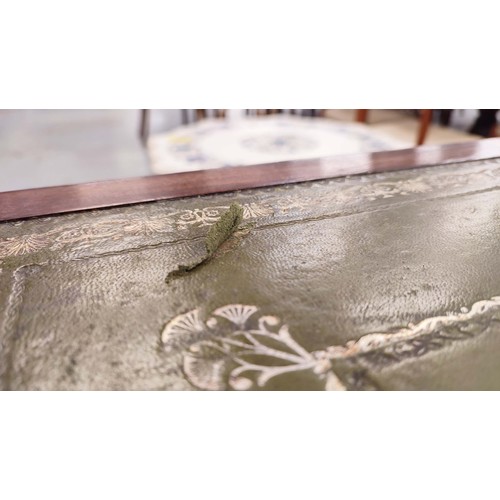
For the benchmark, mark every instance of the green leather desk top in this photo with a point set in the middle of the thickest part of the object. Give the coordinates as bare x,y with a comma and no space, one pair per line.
385,281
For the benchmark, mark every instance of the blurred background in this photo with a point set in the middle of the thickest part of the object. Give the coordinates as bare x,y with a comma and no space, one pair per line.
41,148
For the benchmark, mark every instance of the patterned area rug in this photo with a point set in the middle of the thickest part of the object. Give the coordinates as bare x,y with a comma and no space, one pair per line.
215,143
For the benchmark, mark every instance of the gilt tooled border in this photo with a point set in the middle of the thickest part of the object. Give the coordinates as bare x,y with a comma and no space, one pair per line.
8,325
369,354
57,239
217,359
378,188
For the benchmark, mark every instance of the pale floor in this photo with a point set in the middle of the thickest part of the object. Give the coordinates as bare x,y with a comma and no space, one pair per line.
54,147
404,127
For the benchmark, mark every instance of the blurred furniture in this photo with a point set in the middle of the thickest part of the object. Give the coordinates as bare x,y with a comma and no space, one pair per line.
425,120
144,125
199,114
486,123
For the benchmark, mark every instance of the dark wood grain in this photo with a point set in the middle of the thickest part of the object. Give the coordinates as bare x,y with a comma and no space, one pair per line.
61,199
425,120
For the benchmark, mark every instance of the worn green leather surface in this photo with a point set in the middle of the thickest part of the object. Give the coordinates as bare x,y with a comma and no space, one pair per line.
383,281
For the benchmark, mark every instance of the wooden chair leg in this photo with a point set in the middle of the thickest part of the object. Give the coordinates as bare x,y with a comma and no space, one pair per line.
425,120
201,113
494,130
445,117
220,113
362,115
144,125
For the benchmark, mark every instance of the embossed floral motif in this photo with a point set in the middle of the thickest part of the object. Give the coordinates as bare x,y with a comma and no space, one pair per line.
236,313
180,327
243,351
87,234
200,216
390,189
382,349
375,187
347,194
264,349
207,216
24,244
84,233
148,226
252,210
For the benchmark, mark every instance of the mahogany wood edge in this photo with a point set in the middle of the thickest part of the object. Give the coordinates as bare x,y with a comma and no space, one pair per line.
73,198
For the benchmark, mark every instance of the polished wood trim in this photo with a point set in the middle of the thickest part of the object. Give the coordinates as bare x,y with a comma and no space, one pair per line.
61,199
